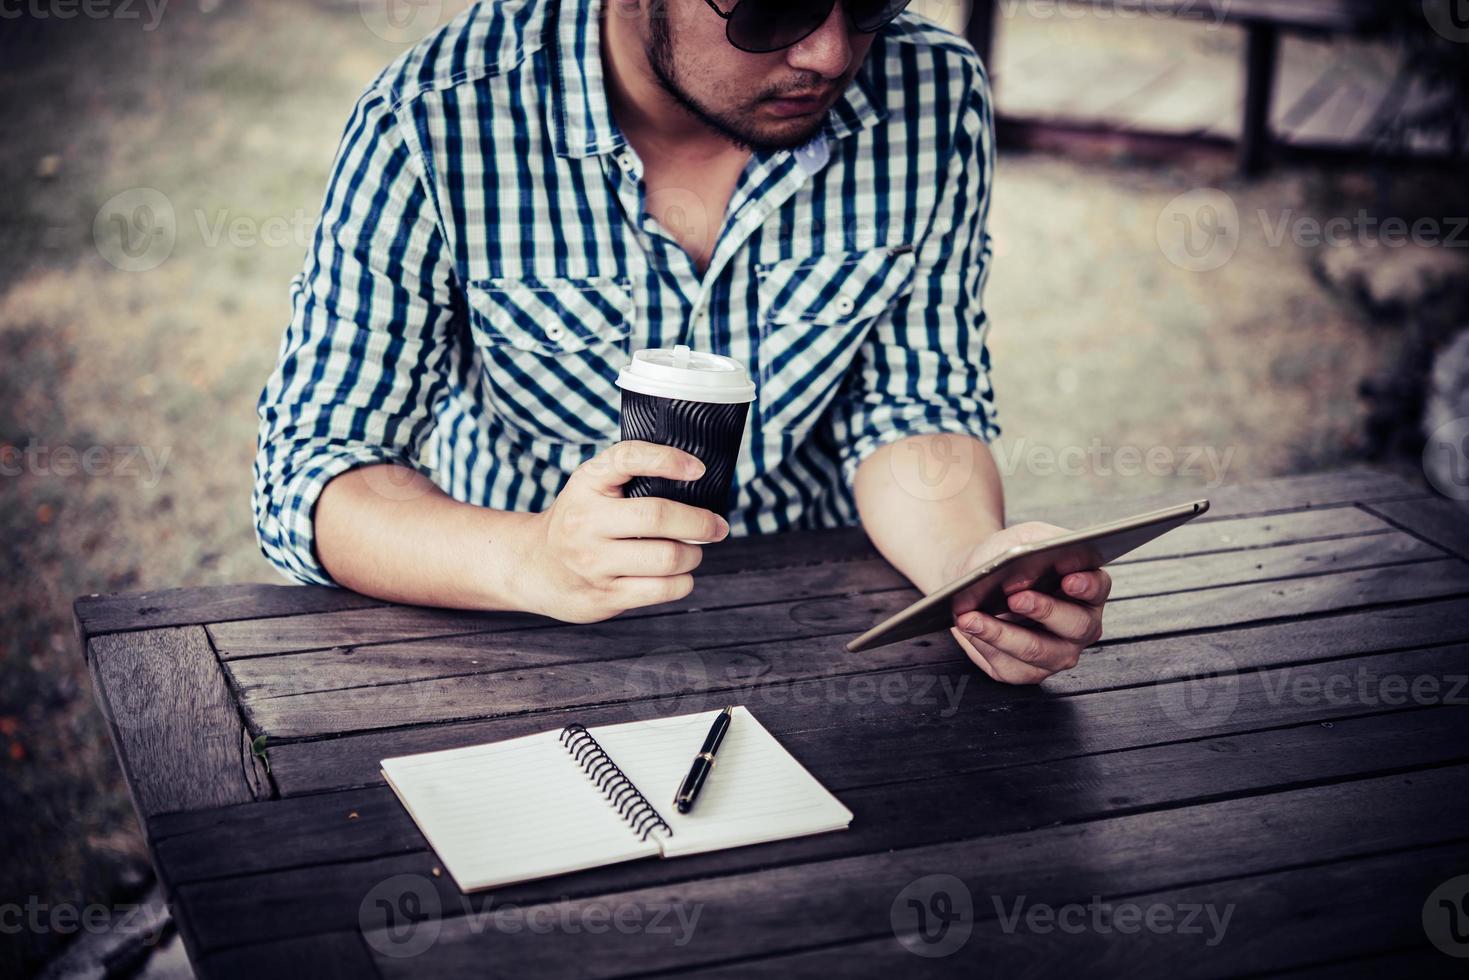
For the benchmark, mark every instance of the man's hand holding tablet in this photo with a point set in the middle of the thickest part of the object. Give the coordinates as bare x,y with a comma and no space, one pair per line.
1042,633
1028,599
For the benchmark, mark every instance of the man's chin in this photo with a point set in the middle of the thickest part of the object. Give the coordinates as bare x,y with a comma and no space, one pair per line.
787,134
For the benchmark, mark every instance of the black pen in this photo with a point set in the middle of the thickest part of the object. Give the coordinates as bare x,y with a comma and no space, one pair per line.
703,763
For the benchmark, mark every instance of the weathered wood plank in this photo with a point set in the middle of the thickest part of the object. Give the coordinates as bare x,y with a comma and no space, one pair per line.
386,624
1212,608
117,612
98,614
1350,485
1288,919
1156,849
334,956
350,666
370,823
929,694
1419,962
173,721
1443,522
486,676
1122,856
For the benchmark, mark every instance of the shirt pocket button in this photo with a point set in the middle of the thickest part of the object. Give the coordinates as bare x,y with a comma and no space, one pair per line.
554,331
844,305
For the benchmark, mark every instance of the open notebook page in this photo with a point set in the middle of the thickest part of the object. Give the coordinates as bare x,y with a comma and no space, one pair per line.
511,811
757,792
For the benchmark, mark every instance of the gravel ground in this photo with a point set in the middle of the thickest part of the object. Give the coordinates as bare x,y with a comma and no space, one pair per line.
229,113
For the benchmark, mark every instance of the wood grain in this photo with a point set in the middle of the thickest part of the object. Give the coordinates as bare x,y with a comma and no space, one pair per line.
302,767
1356,908
1120,856
98,614
660,658
714,589
1444,522
116,612
363,665
370,823
173,721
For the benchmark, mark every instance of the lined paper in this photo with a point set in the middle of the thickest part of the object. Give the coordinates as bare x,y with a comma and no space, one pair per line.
757,792
511,811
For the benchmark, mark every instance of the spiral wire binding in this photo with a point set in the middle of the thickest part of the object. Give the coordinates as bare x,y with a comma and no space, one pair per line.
629,802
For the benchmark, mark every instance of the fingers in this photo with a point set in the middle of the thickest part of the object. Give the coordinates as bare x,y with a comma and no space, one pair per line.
998,664
631,592
1091,587
610,469
655,517
651,558
1074,621
1038,649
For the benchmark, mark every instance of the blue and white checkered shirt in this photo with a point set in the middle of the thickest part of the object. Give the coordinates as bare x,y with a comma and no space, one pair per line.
485,264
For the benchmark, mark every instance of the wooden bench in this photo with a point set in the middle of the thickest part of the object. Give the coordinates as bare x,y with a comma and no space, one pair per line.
1262,20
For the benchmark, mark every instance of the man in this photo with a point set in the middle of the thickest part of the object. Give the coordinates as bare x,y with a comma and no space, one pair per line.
544,186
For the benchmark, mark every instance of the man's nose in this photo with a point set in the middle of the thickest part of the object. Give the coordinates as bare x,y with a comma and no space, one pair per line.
828,50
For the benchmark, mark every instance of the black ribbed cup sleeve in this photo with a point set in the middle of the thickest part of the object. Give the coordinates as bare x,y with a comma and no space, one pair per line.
709,431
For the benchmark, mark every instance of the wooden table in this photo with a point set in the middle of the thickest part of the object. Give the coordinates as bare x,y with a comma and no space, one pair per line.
1273,728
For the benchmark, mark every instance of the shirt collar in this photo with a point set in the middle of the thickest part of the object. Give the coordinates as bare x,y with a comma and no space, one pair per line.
580,116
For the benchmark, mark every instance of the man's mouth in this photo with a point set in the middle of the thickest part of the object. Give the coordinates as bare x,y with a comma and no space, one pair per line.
798,103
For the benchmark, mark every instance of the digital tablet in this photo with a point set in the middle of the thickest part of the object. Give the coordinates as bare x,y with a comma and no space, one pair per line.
1039,566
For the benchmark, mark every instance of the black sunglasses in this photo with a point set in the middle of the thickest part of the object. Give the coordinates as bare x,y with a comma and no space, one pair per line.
761,26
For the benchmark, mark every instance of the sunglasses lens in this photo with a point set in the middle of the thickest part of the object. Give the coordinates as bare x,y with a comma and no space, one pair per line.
758,26
870,15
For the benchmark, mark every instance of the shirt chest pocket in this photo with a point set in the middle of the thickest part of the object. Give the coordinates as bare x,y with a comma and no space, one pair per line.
814,314
552,348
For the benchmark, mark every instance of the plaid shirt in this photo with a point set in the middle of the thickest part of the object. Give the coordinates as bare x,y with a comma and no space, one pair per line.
485,264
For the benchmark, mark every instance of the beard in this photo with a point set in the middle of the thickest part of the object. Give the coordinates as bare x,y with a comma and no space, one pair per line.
731,125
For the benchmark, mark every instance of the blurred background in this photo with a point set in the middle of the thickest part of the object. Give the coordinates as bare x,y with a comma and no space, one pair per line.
1231,241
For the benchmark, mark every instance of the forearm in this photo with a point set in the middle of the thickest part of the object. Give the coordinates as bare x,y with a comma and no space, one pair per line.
388,531
926,500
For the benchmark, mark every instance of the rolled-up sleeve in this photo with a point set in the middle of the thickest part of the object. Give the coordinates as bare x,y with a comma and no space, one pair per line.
924,366
370,345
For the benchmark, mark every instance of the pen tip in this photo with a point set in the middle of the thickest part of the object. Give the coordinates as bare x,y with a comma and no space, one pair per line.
729,709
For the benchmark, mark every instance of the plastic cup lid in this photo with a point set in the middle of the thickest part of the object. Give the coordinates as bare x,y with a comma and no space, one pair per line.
687,374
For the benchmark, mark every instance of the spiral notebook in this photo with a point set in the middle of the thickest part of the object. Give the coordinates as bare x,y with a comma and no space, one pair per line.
575,798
